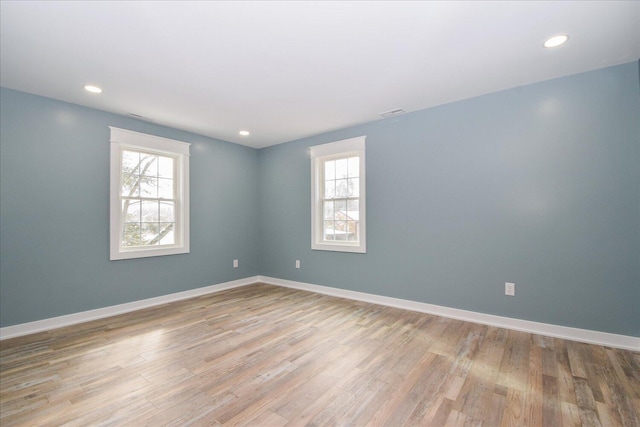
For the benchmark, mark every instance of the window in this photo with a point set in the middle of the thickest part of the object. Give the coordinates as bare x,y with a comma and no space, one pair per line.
149,195
338,196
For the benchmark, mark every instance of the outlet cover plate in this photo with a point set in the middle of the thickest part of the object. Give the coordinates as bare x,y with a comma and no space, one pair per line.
510,289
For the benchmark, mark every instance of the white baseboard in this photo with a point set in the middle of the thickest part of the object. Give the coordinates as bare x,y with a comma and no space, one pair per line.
101,313
565,332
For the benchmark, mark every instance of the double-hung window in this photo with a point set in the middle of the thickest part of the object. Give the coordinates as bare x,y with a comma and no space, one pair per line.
338,196
149,195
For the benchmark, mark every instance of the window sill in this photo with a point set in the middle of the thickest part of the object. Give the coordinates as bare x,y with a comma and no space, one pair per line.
146,253
360,248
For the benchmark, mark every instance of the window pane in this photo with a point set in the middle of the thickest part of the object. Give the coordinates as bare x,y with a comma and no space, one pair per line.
130,185
329,189
165,167
341,230
328,210
131,210
329,170
165,188
354,167
150,211
130,162
353,206
341,168
149,232
342,188
167,212
166,235
148,165
340,208
354,187
329,232
352,231
131,235
148,187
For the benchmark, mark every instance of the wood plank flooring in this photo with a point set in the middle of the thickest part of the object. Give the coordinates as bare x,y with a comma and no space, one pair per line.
263,355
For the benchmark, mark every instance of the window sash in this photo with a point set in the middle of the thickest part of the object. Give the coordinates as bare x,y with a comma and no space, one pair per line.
342,228
125,225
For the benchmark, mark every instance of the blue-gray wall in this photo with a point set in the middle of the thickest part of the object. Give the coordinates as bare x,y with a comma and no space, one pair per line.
54,213
538,185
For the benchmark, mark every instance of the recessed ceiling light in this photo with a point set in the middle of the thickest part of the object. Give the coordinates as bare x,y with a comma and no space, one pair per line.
555,41
244,132
92,89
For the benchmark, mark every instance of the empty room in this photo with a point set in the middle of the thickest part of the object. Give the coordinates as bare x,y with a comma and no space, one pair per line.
322,213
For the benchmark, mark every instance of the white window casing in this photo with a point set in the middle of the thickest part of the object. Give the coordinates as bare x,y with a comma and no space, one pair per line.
169,192
338,196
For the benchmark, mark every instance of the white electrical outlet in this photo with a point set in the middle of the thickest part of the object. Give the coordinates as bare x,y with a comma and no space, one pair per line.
297,263
235,263
510,289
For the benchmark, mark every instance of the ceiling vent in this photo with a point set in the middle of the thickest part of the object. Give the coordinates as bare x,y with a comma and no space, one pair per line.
392,113
139,117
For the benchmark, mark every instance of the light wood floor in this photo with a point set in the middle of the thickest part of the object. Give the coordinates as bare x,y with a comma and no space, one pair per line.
268,356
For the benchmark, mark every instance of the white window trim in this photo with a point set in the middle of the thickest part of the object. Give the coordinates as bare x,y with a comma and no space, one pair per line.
319,154
122,139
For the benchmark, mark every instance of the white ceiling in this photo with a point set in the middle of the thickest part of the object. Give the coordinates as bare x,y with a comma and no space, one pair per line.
286,70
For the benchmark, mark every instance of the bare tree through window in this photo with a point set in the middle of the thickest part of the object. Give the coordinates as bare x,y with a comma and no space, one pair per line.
148,202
